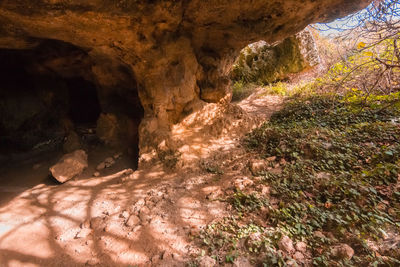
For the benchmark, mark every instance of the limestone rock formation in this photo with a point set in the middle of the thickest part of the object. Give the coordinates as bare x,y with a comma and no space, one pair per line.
170,54
264,63
69,166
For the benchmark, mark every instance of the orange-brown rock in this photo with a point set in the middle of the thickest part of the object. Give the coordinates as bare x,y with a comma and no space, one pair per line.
173,53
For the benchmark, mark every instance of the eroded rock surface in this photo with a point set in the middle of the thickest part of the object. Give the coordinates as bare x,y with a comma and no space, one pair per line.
174,54
69,166
265,63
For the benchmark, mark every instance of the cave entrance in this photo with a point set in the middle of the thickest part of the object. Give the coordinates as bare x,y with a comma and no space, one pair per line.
50,91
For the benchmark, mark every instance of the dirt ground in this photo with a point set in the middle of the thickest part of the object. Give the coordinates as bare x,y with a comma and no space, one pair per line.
146,217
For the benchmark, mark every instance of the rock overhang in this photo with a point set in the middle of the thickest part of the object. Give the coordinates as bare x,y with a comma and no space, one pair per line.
179,53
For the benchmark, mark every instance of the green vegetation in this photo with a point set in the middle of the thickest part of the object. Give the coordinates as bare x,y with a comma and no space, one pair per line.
241,90
338,183
331,180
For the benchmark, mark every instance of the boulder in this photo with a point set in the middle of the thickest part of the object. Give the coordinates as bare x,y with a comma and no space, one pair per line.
69,166
264,63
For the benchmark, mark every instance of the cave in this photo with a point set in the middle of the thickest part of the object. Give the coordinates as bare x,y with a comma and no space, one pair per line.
84,106
49,91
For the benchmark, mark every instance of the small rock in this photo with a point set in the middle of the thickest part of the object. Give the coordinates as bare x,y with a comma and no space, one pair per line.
124,214
118,155
242,183
301,246
319,234
101,166
273,158
85,224
109,162
342,251
132,221
257,166
144,214
298,256
128,171
69,166
138,205
96,174
207,261
282,162
286,244
265,190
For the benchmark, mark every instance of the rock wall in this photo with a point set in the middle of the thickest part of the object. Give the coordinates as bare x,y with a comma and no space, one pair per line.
263,63
175,54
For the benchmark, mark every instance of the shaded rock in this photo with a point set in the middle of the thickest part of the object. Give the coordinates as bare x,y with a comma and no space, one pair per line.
108,128
69,166
117,155
257,166
298,256
342,251
286,244
301,246
319,234
109,162
101,166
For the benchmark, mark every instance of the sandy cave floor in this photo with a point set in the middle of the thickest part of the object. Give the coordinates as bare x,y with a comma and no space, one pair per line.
125,218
